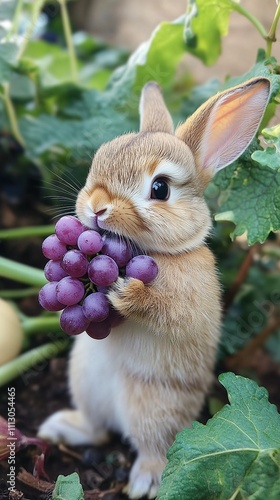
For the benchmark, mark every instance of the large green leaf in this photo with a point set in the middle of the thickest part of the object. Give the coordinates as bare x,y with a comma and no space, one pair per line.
156,59
45,132
250,198
236,455
206,23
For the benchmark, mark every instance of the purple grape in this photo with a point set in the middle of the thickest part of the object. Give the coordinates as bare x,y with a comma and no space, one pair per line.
99,330
103,270
142,267
69,291
53,248
68,229
73,321
75,263
53,271
117,249
96,307
48,297
103,289
90,242
115,317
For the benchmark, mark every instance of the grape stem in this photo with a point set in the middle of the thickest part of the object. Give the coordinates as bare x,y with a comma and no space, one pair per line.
21,272
24,362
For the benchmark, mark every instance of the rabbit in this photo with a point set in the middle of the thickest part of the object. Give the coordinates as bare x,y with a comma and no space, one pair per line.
148,379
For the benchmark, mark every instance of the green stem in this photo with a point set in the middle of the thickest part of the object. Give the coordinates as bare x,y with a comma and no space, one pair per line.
37,7
14,27
21,272
25,232
12,115
31,358
271,36
19,293
244,12
40,324
69,40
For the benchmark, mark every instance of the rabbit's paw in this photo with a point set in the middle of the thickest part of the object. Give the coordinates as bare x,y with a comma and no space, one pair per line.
69,426
126,295
144,479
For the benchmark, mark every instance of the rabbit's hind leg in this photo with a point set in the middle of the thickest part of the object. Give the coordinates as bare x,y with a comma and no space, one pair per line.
71,427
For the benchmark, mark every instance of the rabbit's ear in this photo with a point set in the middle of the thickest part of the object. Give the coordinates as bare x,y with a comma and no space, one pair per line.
154,116
222,128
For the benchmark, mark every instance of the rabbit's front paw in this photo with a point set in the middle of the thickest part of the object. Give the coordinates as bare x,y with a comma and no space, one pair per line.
125,295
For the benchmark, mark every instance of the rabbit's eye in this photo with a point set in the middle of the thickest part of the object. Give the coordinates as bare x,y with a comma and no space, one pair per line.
160,189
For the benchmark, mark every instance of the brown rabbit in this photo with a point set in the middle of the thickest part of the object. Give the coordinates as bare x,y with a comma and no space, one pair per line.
149,377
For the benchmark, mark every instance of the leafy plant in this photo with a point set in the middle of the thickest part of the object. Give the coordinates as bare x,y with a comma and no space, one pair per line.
235,455
68,488
59,101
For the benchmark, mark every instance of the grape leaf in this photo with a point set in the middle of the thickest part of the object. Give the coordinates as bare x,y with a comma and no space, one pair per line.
206,22
250,198
235,455
68,488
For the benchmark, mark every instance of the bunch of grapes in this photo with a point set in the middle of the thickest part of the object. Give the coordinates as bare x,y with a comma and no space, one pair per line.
82,266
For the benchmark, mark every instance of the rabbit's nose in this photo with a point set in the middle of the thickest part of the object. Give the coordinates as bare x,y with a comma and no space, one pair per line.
100,212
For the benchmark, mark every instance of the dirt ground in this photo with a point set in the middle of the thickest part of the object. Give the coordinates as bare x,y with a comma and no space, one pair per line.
103,472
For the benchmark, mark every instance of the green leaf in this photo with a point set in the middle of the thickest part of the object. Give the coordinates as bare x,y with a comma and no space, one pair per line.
249,313
83,137
263,67
165,49
8,53
7,10
272,136
206,23
21,87
52,61
250,198
68,488
157,59
54,66
270,156
236,455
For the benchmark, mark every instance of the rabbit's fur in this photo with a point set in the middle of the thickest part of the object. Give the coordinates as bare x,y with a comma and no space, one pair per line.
149,377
